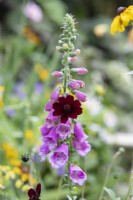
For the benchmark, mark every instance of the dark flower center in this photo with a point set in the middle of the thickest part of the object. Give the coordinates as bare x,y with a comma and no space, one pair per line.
66,108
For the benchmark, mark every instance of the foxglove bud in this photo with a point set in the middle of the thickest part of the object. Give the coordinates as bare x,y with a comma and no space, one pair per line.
74,85
80,70
77,51
48,106
81,96
57,74
55,95
72,60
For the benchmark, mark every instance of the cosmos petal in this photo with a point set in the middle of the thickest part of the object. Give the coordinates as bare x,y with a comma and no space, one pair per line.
64,118
69,99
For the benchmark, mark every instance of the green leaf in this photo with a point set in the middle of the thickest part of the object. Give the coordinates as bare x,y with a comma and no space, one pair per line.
111,193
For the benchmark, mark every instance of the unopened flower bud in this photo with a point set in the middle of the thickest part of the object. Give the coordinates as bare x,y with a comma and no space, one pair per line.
55,95
81,96
81,83
74,85
77,51
80,70
73,38
48,106
65,46
57,48
57,74
72,60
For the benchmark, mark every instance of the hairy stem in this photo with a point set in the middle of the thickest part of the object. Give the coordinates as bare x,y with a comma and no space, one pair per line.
108,173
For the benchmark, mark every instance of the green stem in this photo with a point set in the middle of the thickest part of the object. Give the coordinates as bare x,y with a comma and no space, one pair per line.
83,188
37,171
70,161
65,71
130,183
59,187
108,174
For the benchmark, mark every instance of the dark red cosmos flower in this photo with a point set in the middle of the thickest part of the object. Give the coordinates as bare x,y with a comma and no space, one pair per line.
35,194
67,107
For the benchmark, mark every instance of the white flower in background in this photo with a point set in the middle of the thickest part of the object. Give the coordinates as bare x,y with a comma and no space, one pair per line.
33,12
94,106
110,119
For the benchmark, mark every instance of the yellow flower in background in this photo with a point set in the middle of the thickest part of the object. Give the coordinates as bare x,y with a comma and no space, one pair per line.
42,72
100,90
28,134
10,151
2,88
124,16
31,35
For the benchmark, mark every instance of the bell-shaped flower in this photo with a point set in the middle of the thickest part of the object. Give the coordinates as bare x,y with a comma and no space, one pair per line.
79,132
82,147
77,175
59,158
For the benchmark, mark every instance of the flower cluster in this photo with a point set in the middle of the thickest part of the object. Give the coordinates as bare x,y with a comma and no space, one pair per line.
61,131
123,18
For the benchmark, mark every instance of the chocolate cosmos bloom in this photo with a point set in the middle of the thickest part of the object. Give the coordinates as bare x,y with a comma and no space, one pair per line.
35,194
67,107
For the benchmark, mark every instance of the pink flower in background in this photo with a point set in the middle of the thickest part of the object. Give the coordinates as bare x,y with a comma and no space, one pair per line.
33,12
77,175
59,158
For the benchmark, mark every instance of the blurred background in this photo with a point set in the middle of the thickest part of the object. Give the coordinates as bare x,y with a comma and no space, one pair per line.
29,32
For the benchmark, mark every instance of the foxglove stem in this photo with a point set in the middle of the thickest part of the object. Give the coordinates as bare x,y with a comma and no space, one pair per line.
66,55
69,163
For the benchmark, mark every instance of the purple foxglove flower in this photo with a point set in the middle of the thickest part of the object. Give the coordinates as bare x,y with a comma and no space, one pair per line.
43,151
80,70
79,132
82,147
55,95
71,60
64,130
51,139
57,74
81,96
50,119
74,85
33,12
59,158
77,175
44,130
48,106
